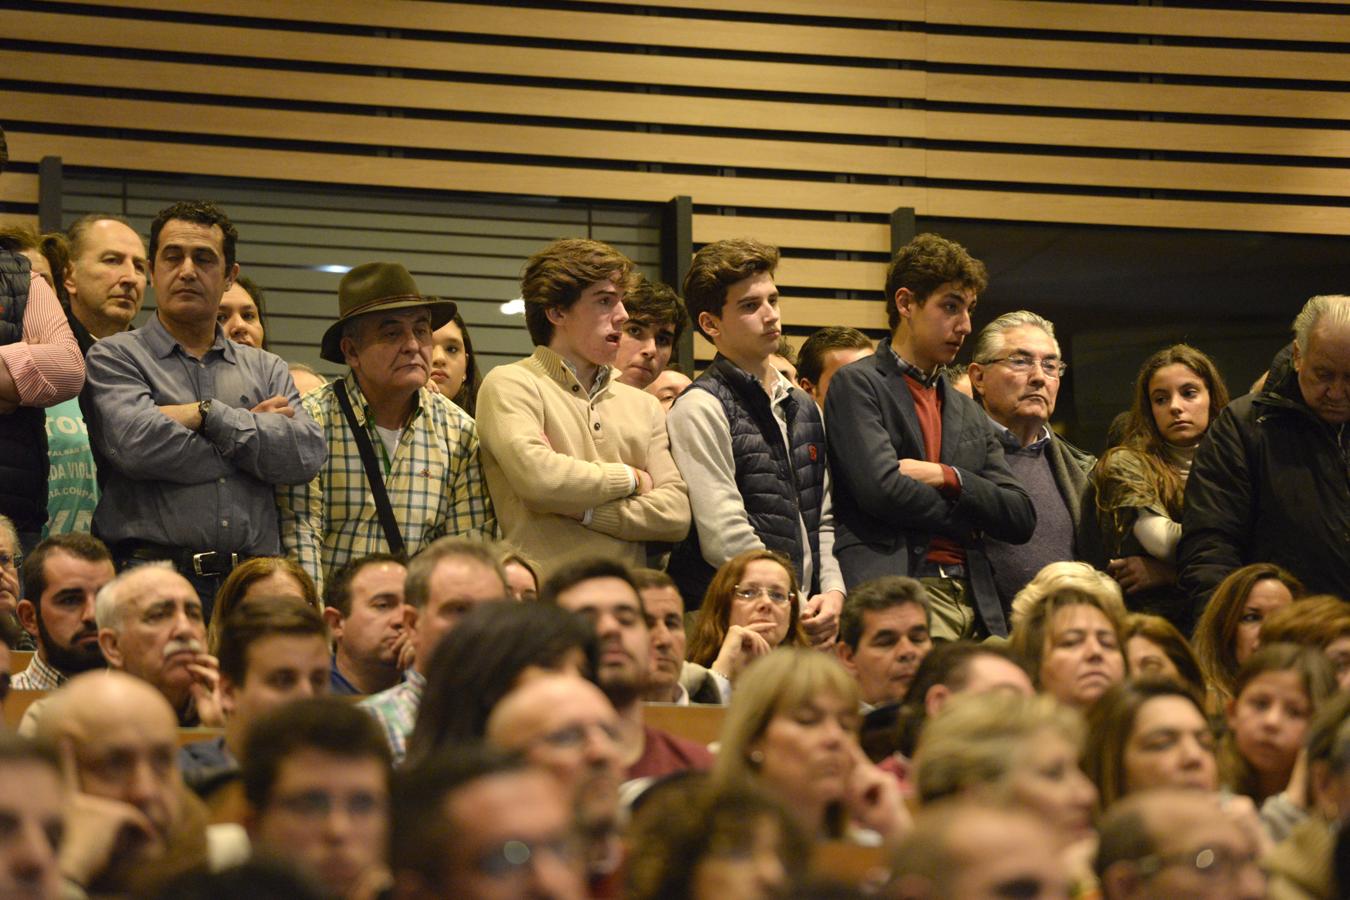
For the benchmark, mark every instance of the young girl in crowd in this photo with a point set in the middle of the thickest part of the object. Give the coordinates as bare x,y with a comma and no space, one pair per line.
1230,627
453,370
1275,695
1140,483
1068,625
752,607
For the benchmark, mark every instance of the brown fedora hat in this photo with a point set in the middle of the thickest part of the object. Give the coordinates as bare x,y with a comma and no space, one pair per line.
373,287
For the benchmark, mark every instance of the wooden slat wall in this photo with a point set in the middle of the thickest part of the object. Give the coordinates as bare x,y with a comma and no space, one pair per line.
803,123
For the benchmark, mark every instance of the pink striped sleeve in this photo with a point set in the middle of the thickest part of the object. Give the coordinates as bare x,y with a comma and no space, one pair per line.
46,365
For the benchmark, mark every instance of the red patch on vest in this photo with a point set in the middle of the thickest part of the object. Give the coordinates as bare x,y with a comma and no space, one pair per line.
811,451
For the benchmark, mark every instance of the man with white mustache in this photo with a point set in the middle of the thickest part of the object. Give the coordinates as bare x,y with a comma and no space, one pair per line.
1016,375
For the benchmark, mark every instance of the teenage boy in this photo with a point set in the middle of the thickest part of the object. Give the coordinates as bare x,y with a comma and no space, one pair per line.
577,463
749,443
656,319
921,479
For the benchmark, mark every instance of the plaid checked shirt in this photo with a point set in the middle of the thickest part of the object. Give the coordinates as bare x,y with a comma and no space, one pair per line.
39,676
434,483
396,711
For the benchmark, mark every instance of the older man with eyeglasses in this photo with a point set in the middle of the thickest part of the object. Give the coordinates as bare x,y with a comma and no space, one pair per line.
1016,374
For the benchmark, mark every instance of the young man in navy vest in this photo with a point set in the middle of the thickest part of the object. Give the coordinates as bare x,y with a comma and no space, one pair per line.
750,445
920,474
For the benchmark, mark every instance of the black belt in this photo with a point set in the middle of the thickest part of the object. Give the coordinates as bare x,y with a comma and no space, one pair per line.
198,562
955,572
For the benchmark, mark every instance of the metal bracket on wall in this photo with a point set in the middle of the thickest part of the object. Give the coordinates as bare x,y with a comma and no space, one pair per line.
49,194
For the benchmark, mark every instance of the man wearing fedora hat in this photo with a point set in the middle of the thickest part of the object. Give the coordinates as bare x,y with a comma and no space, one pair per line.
402,465
197,430
578,464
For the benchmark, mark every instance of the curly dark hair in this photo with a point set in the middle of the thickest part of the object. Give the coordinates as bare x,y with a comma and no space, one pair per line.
924,265
202,212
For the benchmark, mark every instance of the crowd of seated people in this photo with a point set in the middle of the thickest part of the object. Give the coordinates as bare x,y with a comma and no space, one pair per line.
814,623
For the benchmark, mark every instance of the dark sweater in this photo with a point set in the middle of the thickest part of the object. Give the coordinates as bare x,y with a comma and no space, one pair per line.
1016,564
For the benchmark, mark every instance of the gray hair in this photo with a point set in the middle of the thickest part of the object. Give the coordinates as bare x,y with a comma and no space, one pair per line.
110,599
989,342
7,527
1335,307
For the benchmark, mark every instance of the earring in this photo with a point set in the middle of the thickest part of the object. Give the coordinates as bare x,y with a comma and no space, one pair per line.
757,757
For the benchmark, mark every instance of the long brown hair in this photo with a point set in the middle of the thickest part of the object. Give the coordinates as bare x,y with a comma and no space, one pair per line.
1216,632
1141,429
711,627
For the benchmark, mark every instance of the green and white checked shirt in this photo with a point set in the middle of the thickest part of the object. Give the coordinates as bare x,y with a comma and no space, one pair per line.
435,485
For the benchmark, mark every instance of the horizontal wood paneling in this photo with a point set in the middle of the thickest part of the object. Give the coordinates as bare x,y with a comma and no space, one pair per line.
803,124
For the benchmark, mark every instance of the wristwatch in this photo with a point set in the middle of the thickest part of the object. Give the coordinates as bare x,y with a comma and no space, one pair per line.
203,407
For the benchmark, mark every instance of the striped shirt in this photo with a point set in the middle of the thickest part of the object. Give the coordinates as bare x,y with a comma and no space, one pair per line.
39,676
434,483
47,366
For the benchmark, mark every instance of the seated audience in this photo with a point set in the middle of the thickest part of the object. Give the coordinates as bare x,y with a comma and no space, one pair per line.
670,677
242,315
254,879
481,825
1321,622
883,636
316,782
150,626
1140,485
272,650
668,386
363,606
690,840
1275,694
1018,750
10,556
444,582
1229,629
1016,375
1148,734
521,577
605,594
565,725
792,729
262,576
753,605
656,319
824,352
1176,845
492,651
1155,649
32,803
952,669
1301,864
129,821
1069,626
454,371
979,851
61,578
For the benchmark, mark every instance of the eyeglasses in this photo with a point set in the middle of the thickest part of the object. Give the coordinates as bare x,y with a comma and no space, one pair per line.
511,857
575,735
750,592
1212,862
1022,364
320,804
7,560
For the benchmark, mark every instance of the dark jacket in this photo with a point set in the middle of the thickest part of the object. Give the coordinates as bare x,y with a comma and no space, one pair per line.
781,487
883,521
1270,483
23,433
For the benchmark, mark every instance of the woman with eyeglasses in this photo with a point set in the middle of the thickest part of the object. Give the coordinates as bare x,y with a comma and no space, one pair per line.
752,607
1140,484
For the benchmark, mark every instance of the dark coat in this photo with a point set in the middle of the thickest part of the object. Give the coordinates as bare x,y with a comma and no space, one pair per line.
883,521
1270,483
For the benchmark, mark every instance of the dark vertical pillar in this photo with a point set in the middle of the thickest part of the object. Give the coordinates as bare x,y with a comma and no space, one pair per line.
677,249
903,228
49,194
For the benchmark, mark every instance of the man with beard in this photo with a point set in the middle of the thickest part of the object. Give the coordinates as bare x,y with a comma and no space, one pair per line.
61,578
605,593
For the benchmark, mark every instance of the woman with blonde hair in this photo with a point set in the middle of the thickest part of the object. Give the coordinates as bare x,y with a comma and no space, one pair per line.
1229,629
1140,484
792,730
1068,624
753,605
1017,749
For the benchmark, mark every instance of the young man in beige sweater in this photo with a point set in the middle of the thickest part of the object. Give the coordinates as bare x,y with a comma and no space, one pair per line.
577,463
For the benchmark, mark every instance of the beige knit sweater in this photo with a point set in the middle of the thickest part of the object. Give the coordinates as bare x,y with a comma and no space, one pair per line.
552,455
